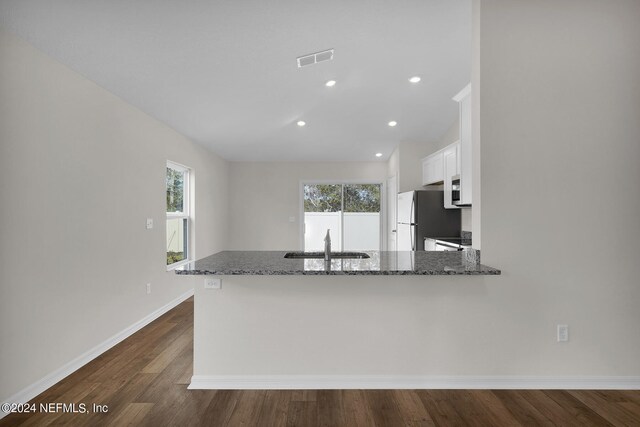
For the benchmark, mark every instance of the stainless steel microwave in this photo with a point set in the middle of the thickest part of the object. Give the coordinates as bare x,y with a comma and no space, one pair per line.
455,191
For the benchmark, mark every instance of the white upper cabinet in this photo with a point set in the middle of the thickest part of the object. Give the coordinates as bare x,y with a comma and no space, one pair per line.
433,168
451,168
440,167
464,100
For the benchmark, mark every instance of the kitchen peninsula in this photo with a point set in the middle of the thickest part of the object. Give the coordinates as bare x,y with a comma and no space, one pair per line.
378,263
279,323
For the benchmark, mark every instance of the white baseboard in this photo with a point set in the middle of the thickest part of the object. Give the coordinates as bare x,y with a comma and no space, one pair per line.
38,387
323,382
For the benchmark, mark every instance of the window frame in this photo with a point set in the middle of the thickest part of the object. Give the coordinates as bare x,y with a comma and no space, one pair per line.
343,182
184,215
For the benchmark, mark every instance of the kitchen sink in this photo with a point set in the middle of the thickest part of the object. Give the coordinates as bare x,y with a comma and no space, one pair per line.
320,255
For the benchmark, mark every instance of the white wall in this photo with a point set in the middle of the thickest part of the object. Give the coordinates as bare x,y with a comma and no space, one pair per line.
559,115
393,164
80,171
262,197
410,155
450,136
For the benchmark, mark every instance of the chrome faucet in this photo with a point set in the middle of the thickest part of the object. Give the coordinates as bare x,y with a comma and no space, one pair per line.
327,246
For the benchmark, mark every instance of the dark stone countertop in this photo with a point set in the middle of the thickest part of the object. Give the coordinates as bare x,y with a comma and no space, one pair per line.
379,263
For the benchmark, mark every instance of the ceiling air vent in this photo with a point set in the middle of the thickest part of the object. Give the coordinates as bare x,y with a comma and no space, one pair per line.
314,58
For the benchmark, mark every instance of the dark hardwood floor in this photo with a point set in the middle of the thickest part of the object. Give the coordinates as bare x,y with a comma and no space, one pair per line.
143,381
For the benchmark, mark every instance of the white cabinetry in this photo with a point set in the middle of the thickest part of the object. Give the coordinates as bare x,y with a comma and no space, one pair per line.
464,100
439,167
451,168
433,168
454,159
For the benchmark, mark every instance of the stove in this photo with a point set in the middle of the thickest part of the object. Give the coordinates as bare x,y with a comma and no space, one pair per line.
455,241
447,243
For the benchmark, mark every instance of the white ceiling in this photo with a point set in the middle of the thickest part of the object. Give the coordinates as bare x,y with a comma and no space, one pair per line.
224,73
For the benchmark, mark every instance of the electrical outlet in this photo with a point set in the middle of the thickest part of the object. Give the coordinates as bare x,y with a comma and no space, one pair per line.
212,283
148,288
292,219
563,333
149,223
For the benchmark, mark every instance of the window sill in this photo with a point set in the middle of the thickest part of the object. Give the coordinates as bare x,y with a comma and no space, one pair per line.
178,264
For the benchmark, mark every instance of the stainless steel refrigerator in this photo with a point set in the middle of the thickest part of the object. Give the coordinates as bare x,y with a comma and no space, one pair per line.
422,214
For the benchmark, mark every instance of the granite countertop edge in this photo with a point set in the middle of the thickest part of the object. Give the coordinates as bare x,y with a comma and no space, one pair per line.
382,263
492,272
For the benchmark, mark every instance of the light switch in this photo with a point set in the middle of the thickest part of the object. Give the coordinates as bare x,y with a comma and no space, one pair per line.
292,219
149,223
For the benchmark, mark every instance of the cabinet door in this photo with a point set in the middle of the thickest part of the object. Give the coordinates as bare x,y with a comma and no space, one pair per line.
450,170
433,169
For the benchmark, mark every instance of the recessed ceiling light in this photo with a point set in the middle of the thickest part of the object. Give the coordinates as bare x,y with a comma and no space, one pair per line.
414,79
301,123
378,154
392,123
330,83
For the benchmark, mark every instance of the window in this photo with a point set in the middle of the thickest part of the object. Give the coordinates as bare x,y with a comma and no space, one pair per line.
350,211
178,226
